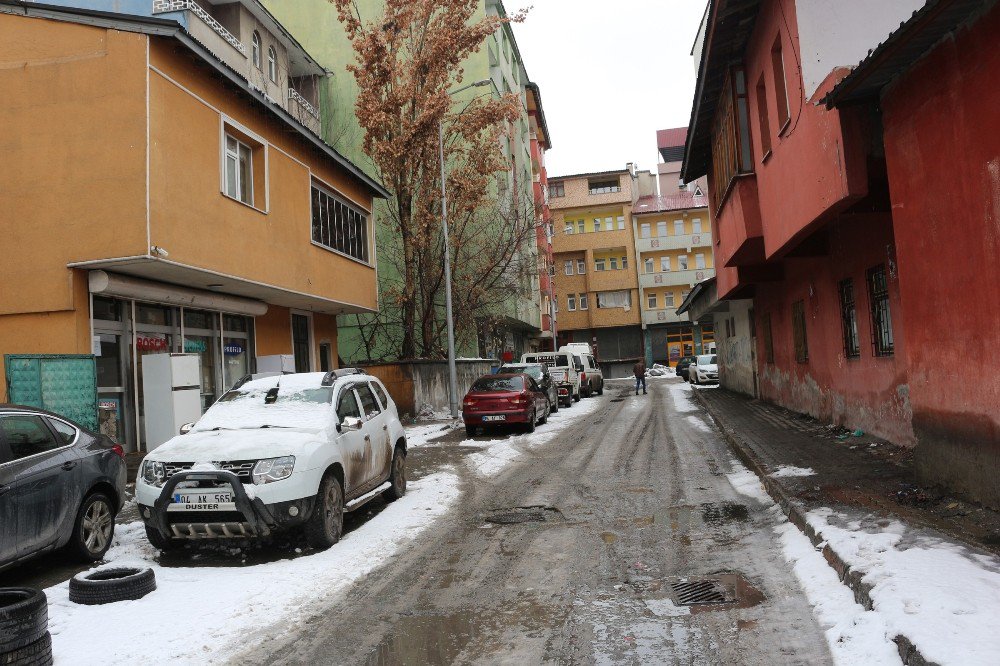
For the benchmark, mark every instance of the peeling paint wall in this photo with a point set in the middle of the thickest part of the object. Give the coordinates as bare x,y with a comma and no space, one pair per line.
737,364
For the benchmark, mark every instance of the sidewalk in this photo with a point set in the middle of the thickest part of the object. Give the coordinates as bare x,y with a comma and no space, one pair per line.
923,560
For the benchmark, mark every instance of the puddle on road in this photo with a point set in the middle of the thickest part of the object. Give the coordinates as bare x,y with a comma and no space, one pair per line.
678,519
724,512
465,635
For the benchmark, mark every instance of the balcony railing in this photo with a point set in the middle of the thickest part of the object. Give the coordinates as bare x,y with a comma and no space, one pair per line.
674,242
296,96
161,6
666,278
662,316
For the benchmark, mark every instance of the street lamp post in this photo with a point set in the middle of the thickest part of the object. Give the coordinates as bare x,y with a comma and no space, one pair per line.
452,368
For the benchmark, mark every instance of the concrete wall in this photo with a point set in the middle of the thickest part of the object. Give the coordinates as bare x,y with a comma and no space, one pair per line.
737,355
415,385
943,153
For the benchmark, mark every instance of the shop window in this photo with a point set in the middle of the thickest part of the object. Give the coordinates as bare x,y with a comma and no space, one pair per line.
106,309
583,301
765,329
799,331
762,119
338,225
878,297
849,319
780,85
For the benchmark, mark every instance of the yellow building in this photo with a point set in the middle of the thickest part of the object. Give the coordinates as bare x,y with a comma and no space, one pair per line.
596,285
156,199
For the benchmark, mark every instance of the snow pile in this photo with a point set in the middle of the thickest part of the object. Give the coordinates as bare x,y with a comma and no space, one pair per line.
420,435
206,614
683,402
746,483
941,595
791,471
698,423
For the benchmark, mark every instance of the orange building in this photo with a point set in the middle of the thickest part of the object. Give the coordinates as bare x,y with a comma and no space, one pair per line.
156,199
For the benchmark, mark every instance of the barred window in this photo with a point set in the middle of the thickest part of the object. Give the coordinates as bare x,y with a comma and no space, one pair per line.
849,319
799,331
765,326
878,297
338,225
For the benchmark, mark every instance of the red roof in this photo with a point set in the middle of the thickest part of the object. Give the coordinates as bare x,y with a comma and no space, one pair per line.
671,138
678,201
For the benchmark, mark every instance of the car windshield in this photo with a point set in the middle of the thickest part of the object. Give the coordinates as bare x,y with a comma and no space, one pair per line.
707,359
290,401
534,370
498,384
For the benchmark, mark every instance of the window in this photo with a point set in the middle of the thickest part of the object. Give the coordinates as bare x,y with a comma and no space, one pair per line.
621,222
614,299
27,435
849,318
583,301
239,170
696,226
649,265
878,297
338,225
651,301
65,431
603,186
661,228
664,264
571,302
699,261
382,397
678,227
682,262
347,405
668,299
568,267
765,326
579,226
569,228
644,230
368,403
581,266
799,331
614,263
731,154
272,64
598,264
557,190
624,263
780,91
256,49
763,120
609,224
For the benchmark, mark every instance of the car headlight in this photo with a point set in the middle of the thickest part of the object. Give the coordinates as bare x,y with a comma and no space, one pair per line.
273,469
153,472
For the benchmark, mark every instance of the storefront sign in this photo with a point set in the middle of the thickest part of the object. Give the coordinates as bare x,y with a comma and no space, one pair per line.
151,342
194,346
233,349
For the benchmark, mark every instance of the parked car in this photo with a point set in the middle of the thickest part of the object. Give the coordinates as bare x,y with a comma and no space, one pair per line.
704,370
60,485
275,454
682,366
540,373
591,376
504,399
565,362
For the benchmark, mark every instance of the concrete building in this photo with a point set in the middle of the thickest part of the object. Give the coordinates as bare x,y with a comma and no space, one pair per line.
540,143
593,246
160,201
735,334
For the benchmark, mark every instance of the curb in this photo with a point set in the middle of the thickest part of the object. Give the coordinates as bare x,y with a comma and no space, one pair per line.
852,579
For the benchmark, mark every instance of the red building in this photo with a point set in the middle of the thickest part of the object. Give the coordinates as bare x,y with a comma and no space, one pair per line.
935,82
540,143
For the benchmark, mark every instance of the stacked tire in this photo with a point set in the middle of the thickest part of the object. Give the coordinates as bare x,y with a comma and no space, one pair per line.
24,627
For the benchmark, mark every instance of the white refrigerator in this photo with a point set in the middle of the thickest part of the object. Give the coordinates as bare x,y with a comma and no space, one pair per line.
171,388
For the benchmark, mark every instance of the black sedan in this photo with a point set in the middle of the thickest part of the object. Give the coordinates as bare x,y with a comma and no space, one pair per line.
60,485
682,366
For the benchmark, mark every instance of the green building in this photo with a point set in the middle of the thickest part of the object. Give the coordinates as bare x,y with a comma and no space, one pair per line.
316,26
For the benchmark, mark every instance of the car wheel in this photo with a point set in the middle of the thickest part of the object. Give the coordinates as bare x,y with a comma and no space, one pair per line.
600,391
24,618
530,425
576,397
326,524
157,540
545,414
470,430
397,477
106,586
38,653
555,404
94,527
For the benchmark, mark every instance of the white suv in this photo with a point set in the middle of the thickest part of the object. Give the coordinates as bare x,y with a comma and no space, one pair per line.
591,377
276,453
564,371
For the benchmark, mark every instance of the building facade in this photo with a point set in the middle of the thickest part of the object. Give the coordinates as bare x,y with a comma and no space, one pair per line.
540,143
593,247
204,216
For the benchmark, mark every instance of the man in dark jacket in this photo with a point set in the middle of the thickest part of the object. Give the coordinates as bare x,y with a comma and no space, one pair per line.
639,370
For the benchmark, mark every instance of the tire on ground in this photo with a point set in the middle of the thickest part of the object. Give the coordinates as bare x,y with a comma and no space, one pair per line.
106,586
321,533
38,653
24,618
77,542
397,476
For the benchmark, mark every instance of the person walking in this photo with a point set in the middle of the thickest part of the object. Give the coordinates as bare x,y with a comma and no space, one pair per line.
639,370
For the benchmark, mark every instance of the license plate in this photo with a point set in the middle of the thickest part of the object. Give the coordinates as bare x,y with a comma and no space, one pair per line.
498,417
204,499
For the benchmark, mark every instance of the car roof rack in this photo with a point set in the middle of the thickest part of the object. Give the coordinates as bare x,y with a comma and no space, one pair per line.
332,376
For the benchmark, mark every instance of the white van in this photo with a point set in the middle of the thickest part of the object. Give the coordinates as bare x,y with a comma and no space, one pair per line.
563,370
591,377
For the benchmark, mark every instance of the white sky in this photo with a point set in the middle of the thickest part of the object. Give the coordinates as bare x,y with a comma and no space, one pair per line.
611,73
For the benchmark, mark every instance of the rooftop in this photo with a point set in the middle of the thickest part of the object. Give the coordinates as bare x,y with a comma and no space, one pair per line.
669,202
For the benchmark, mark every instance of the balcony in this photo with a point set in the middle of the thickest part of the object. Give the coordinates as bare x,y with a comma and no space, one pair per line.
590,240
684,242
741,236
662,316
206,29
303,110
689,278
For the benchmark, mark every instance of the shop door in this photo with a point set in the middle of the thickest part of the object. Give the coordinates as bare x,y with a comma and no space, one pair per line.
301,343
202,337
111,385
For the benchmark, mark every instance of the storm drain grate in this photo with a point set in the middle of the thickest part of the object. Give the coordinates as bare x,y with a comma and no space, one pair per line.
524,514
689,593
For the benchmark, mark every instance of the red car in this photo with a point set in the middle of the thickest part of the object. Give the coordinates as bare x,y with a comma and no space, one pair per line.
496,400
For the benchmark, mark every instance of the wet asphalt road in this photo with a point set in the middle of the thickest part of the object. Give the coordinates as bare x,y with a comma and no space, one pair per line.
638,497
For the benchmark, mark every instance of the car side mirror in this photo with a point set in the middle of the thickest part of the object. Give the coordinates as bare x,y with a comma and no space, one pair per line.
186,428
350,423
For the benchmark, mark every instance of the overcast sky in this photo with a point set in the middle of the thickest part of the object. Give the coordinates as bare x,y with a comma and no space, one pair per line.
610,74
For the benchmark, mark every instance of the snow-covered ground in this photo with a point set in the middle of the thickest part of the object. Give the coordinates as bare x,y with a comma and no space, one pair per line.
203,615
791,470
